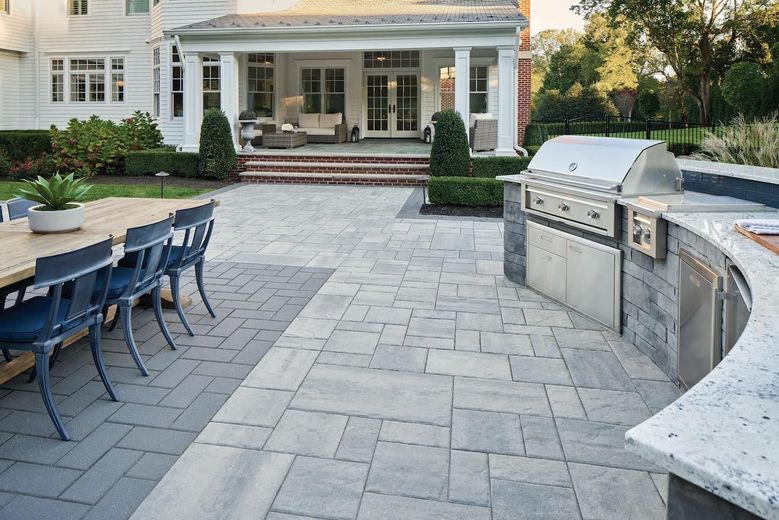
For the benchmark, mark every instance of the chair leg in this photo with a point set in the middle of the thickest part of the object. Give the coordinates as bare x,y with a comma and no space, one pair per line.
176,294
42,370
201,286
20,295
156,299
7,355
115,321
97,356
127,329
55,355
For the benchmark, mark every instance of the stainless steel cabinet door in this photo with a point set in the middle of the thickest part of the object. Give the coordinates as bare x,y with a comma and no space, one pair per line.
546,272
592,282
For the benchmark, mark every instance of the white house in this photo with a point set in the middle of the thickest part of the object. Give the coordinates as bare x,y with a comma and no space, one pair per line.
386,65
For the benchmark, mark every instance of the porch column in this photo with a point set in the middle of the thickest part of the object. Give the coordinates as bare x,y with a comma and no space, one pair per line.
193,102
462,85
507,105
228,75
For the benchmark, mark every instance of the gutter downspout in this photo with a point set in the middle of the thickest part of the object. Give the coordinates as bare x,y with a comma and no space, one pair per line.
37,65
520,151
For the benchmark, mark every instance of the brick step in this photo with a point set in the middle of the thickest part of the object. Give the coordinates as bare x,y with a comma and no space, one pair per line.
335,165
336,159
372,179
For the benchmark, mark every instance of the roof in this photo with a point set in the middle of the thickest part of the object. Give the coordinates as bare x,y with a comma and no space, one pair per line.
330,13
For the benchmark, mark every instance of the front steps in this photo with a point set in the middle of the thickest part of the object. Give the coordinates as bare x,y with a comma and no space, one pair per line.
360,169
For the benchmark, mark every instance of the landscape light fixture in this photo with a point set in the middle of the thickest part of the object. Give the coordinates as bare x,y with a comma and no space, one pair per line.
162,176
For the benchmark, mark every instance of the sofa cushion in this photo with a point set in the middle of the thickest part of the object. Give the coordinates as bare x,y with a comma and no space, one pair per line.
330,120
308,120
318,131
476,117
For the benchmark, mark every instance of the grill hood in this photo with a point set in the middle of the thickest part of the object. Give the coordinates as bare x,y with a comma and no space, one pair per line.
626,167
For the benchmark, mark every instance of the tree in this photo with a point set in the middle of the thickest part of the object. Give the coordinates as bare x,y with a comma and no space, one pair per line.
217,150
742,87
648,103
697,37
547,43
450,155
565,68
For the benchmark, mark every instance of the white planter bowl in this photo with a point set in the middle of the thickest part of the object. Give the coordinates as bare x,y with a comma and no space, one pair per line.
55,221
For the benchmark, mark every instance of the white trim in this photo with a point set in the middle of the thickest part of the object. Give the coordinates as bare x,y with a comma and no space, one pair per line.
322,65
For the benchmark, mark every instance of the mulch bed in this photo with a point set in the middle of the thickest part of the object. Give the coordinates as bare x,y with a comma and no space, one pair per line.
182,182
462,211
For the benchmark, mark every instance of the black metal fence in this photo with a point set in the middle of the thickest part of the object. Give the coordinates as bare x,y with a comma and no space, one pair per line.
682,138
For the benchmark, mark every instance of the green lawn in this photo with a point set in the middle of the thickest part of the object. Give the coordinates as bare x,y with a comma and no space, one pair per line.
101,191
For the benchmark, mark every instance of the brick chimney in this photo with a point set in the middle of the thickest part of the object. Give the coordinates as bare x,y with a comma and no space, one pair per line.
523,76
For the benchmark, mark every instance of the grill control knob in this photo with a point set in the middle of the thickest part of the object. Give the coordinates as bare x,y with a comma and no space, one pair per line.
563,207
593,214
538,200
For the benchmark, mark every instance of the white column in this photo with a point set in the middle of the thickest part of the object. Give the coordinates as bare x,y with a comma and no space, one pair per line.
228,76
507,105
462,85
193,102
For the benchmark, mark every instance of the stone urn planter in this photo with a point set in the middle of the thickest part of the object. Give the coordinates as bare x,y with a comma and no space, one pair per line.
247,120
42,220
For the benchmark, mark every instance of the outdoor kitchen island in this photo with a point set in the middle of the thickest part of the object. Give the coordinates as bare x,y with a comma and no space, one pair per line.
720,440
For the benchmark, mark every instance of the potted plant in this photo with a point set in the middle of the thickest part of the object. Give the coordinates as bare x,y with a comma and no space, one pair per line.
60,209
247,119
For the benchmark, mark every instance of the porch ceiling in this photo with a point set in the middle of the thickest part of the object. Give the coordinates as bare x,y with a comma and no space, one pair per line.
330,13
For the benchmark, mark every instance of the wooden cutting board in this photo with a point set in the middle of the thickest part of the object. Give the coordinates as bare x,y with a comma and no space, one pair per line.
770,242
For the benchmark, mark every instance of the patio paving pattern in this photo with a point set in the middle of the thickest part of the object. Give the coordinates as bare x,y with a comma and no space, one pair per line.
417,383
362,366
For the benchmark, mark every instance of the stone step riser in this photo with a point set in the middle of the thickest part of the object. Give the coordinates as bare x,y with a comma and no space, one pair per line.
357,181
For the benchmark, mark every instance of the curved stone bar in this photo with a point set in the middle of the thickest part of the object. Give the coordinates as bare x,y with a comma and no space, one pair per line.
723,434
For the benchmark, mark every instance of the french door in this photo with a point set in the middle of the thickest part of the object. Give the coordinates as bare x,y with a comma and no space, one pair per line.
392,104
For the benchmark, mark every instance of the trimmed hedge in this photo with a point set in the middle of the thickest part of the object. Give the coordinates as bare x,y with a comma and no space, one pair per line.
450,154
150,162
217,150
21,144
491,167
465,191
683,148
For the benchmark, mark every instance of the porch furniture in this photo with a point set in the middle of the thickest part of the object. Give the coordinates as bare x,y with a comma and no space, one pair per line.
111,216
261,129
42,324
282,140
17,208
197,225
150,246
483,132
323,128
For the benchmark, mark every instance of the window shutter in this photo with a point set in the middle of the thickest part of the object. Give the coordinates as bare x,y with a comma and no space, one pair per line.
78,7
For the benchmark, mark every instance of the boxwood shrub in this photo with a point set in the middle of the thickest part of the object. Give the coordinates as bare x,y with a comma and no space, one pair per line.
465,191
217,151
450,154
149,162
19,145
493,166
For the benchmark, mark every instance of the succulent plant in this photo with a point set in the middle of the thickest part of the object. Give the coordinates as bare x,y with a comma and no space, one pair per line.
55,194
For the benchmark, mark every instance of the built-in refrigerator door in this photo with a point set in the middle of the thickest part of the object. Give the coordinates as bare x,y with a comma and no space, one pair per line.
700,319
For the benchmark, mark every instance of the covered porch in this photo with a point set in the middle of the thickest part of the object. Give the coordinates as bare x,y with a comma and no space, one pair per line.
372,82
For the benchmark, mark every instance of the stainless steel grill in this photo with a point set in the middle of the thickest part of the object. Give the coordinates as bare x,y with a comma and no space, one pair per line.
578,180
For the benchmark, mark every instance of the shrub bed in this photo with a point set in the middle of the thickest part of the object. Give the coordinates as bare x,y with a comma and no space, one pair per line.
20,145
150,162
465,191
491,167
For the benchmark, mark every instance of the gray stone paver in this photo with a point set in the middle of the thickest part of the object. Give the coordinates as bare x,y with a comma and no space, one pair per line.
428,374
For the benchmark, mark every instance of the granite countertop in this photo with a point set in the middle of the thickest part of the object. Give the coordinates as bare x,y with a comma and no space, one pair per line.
723,434
738,171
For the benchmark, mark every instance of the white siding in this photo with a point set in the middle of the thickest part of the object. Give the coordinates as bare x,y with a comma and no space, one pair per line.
9,90
16,27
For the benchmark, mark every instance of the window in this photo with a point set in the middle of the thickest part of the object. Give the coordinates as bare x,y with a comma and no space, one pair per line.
137,6
211,84
391,59
260,88
328,96
156,80
117,80
176,84
57,80
87,80
5,6
478,94
78,7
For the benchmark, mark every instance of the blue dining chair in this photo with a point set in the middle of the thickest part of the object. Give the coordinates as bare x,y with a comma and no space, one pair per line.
41,324
197,224
17,208
150,245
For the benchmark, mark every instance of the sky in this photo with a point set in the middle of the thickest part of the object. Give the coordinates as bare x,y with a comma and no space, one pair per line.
553,14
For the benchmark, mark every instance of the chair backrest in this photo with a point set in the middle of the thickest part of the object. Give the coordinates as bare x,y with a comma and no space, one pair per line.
84,271
17,208
197,224
151,245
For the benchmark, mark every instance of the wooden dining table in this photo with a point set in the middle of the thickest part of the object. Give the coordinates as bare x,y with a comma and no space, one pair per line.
112,216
